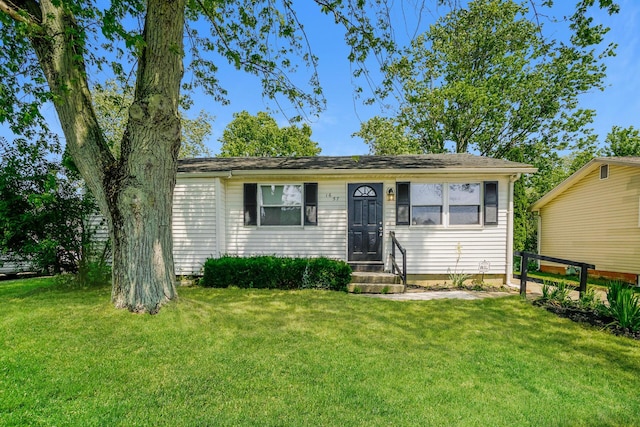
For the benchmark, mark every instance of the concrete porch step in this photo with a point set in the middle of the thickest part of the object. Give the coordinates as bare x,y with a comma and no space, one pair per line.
375,288
370,277
375,283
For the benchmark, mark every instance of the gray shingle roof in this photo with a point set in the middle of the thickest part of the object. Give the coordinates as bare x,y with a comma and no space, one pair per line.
427,161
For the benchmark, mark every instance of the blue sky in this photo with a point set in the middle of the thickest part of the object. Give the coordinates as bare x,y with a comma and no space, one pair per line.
618,105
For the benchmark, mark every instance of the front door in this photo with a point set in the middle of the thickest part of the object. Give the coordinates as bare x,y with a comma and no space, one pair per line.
365,222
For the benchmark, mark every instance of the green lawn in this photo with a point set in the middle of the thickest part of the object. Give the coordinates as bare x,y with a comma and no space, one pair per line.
267,358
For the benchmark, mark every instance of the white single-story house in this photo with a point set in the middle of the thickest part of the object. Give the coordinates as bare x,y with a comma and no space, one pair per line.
451,212
594,217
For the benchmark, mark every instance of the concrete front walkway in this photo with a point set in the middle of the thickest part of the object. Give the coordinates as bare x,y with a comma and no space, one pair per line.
429,295
534,290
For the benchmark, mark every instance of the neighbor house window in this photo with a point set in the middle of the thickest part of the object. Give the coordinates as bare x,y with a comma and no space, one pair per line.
604,171
281,204
464,204
426,204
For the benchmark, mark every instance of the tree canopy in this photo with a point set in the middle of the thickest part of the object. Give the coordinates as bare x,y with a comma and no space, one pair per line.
622,142
484,79
260,136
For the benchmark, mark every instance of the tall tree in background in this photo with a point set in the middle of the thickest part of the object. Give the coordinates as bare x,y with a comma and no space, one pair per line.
112,101
484,79
622,142
51,49
260,136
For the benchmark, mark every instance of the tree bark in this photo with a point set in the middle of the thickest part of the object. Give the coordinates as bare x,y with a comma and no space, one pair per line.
141,206
134,192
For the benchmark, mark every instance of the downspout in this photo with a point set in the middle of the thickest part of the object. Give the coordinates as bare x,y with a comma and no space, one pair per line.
220,222
509,270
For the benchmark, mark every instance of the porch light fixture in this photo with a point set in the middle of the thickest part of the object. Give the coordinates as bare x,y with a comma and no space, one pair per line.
391,195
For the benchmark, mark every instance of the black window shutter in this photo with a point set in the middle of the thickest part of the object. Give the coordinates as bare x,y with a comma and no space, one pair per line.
251,204
491,203
403,203
310,203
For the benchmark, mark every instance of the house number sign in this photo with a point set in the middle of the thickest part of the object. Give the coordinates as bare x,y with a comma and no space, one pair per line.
484,266
331,197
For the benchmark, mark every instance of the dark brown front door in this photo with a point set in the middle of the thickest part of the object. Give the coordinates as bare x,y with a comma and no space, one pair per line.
365,222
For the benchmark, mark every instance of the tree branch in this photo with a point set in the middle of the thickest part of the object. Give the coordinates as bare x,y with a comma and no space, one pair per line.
27,12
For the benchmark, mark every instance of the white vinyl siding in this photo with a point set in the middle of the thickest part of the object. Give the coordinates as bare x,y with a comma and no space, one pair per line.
596,221
434,250
194,224
206,208
328,238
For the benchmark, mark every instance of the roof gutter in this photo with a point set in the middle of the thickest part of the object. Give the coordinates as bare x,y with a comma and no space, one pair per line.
334,172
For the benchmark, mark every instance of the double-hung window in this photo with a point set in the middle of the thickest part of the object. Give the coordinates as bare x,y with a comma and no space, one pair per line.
464,204
426,204
448,204
280,204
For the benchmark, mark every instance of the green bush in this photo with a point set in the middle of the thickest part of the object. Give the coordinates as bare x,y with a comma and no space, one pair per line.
556,293
624,306
588,300
271,272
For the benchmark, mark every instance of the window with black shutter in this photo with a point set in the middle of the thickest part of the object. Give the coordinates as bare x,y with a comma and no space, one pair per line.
403,203
491,203
251,204
311,203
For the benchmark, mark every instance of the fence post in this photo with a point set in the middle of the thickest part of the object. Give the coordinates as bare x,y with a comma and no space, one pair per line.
524,262
583,279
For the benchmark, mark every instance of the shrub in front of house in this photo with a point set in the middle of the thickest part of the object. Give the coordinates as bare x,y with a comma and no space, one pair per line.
272,272
620,314
624,305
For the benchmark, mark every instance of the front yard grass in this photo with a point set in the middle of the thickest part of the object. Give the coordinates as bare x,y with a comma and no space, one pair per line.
264,357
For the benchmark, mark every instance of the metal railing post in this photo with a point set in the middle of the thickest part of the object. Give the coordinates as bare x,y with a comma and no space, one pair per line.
523,274
583,279
404,270
393,254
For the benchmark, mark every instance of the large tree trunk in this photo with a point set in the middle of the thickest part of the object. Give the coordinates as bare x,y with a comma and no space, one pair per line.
134,192
141,209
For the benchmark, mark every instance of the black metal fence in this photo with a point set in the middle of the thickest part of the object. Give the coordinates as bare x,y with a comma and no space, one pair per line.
524,266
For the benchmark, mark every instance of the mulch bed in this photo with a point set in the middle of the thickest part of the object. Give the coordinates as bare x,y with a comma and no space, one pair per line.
589,317
477,288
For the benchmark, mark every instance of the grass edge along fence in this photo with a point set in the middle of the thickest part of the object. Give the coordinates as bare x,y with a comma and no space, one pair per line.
524,267
273,272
